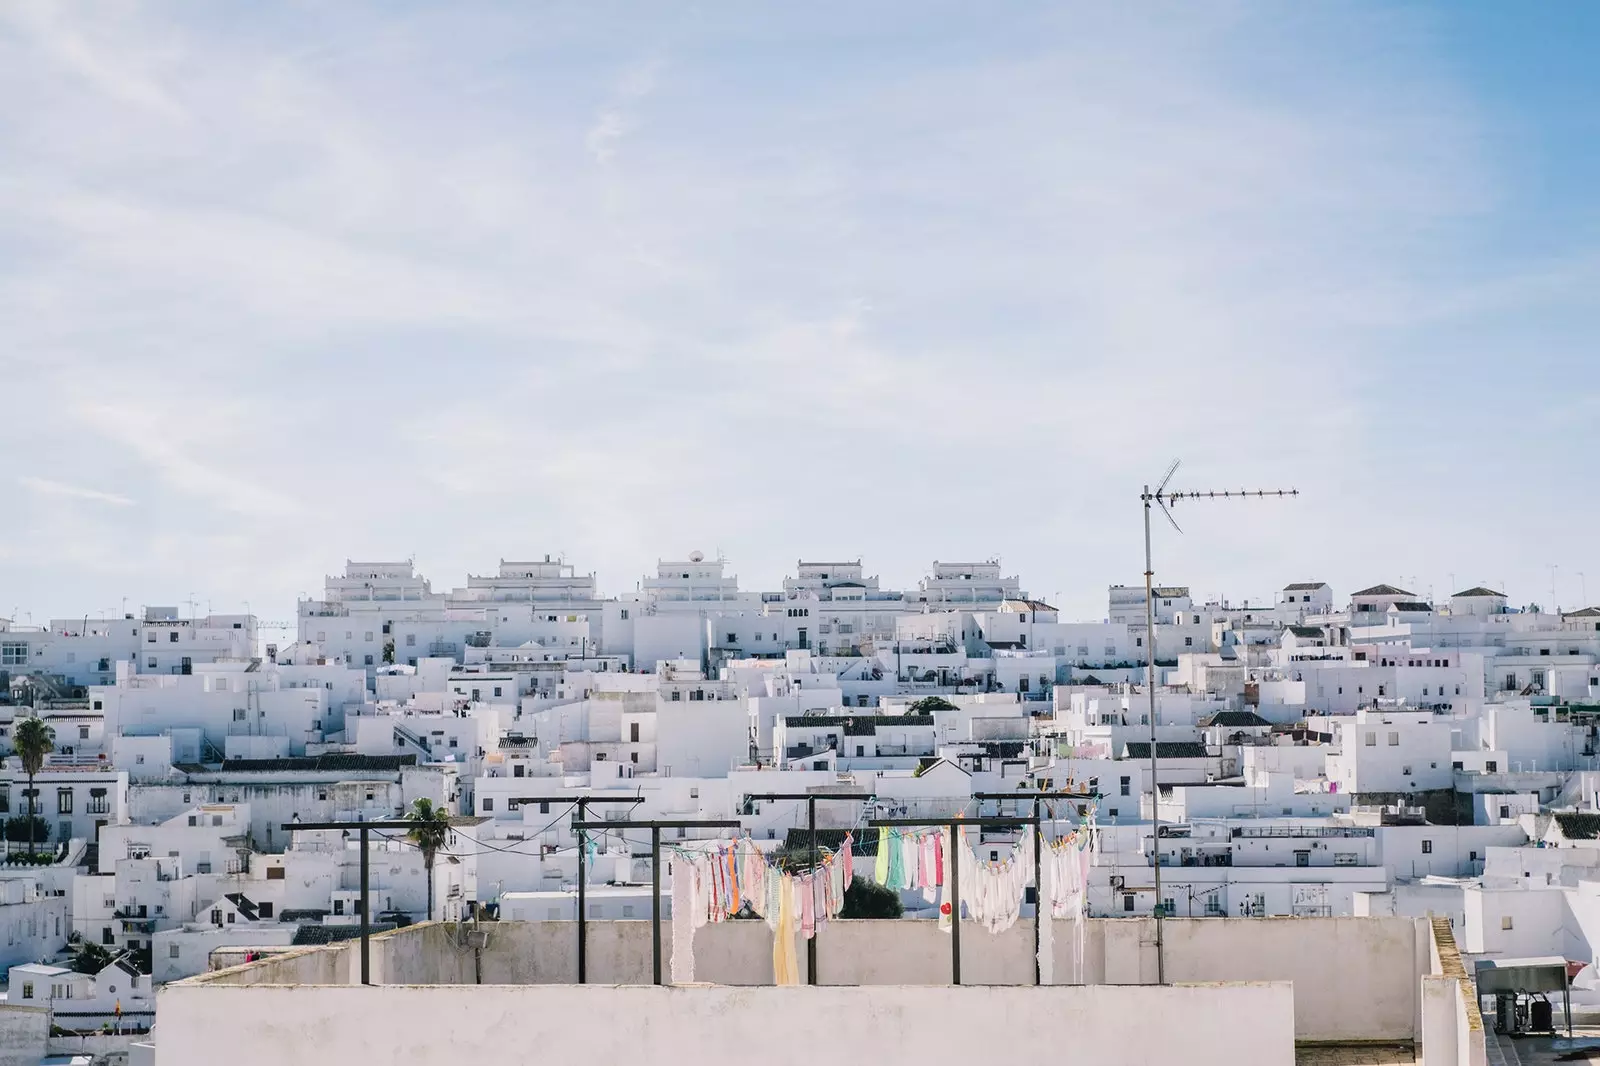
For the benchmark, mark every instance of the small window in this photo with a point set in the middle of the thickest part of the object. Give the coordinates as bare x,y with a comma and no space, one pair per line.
487,805
1427,847
172,951
1372,739
1394,739
27,990
264,910
1127,902
411,640
1505,923
275,873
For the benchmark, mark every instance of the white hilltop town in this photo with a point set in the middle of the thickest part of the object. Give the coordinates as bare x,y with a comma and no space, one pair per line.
435,825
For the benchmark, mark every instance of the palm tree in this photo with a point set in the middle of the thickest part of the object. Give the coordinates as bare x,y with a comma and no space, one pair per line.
430,832
33,741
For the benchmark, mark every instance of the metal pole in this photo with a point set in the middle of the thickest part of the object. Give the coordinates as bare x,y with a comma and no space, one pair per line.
583,917
655,902
811,945
366,925
955,909
1150,683
1038,894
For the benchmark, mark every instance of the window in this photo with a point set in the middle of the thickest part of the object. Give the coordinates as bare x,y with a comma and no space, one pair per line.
1427,847
63,801
1188,642
338,908
274,873
497,690
172,637
1405,771
1491,766
1127,901
411,640
238,714
1372,739
487,805
633,732
83,732
519,770
1394,739
106,936
623,614
172,951
1138,642
150,637
152,663
1505,923
1505,812
368,660
216,912
27,990
388,627
476,693
264,910
231,917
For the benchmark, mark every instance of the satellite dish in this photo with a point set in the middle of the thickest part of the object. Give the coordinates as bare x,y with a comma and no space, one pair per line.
697,557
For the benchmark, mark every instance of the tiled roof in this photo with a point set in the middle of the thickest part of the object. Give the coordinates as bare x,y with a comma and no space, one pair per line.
856,725
1579,826
242,902
1383,590
1233,720
318,762
1305,586
1168,749
1307,631
332,934
1479,590
1413,606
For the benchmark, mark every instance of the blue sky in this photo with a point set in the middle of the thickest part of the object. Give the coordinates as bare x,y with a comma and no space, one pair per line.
281,285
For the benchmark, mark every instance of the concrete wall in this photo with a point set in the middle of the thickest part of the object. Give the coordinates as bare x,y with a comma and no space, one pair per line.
23,1033
328,964
1354,979
1452,1027
891,1025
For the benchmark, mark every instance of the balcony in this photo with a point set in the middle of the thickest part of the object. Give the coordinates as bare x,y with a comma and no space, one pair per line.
1301,831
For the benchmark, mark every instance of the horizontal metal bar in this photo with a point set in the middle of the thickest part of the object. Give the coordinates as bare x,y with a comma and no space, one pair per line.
808,796
929,823
1031,795
574,799
715,824
292,826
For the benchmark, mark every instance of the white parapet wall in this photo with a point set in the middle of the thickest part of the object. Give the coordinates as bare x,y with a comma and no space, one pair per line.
203,1023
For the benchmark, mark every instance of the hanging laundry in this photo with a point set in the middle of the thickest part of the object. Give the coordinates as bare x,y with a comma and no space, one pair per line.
848,851
949,909
785,966
896,878
927,872
683,911
880,871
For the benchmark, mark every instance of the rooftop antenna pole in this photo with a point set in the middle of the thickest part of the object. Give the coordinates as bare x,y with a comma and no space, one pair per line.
1165,499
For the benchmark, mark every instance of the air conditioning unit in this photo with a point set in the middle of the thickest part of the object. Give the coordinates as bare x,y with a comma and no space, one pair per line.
1117,881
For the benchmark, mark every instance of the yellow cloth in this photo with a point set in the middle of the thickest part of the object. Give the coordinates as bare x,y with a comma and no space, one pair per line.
785,965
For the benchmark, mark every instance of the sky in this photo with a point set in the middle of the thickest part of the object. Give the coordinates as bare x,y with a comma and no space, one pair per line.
282,285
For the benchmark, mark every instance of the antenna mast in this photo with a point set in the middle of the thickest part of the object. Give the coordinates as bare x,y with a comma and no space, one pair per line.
1166,501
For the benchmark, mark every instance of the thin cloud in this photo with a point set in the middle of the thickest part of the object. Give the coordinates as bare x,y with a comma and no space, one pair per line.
46,487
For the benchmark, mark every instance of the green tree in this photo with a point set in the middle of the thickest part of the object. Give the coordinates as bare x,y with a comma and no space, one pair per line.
91,958
867,899
33,741
929,704
430,832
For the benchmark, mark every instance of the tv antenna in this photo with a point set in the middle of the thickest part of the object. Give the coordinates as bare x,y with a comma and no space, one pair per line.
1166,500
